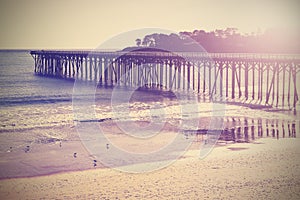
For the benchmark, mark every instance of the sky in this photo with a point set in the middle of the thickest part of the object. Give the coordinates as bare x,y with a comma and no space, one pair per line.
77,24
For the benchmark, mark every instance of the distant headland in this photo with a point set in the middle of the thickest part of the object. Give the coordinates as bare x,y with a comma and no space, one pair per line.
223,41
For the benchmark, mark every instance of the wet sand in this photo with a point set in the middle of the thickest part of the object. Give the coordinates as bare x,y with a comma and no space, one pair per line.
265,169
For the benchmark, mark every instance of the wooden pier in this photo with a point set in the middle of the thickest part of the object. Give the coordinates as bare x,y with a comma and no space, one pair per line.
269,80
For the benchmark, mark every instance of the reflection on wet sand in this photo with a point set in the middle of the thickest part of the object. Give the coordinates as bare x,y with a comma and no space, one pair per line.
248,129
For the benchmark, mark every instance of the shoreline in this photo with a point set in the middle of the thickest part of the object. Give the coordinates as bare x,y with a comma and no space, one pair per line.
56,155
195,146
104,167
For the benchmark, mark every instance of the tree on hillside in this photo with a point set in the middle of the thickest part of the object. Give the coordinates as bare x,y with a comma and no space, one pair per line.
138,42
227,41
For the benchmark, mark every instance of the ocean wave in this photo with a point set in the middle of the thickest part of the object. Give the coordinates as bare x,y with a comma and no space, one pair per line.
10,101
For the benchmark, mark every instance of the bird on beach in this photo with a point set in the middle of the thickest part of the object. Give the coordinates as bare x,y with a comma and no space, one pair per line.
9,150
75,155
27,149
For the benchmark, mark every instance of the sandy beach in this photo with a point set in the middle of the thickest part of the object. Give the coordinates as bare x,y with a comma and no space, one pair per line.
265,169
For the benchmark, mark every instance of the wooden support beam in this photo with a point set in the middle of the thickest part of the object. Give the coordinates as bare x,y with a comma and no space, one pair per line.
253,81
106,67
221,78
209,77
261,81
199,74
193,66
118,78
166,74
295,88
81,68
101,69
226,84
289,85
283,84
271,88
214,88
233,68
140,75
179,75
170,75
273,83
161,74
267,84
246,80
183,75
188,75
69,66
65,63
204,77
258,81
91,68
277,88
239,80
95,68
86,67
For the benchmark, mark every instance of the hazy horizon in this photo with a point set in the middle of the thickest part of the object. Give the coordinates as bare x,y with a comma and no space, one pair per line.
32,24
